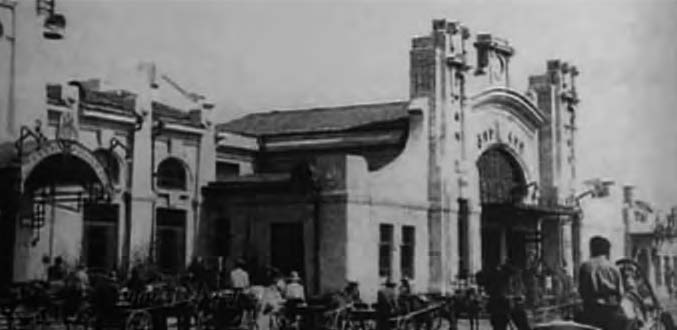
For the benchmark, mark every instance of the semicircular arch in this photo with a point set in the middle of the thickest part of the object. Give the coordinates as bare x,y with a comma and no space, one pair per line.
63,148
502,175
173,173
515,104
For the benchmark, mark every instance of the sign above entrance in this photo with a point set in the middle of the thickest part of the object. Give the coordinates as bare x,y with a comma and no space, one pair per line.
494,135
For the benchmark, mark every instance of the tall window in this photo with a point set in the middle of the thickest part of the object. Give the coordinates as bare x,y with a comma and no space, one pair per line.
407,251
171,174
170,235
385,250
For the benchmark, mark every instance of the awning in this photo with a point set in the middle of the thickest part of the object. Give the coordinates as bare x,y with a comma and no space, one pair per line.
534,210
548,209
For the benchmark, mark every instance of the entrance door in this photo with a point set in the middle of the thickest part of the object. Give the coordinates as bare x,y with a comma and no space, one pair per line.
170,235
517,247
491,246
286,247
100,236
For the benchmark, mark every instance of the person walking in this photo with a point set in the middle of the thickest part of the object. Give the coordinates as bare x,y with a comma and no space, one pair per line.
57,271
239,278
386,305
294,291
506,297
600,286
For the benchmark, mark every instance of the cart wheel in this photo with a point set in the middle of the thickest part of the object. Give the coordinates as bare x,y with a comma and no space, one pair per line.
139,320
436,320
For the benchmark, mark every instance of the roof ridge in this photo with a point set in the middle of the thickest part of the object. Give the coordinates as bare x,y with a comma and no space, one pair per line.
325,108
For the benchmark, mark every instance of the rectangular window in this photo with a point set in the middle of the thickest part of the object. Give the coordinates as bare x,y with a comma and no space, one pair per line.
385,250
226,170
407,251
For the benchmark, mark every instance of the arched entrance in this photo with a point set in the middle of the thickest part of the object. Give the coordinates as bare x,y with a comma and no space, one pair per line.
505,230
62,189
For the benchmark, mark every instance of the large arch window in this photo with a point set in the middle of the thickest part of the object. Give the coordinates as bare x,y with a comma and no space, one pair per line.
501,178
171,174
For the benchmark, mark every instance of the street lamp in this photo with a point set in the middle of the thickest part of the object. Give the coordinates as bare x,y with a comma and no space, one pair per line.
10,5
55,23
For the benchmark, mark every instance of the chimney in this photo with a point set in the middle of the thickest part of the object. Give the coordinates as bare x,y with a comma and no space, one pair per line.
628,194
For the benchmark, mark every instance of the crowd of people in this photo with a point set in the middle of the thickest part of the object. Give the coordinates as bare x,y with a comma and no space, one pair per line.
611,298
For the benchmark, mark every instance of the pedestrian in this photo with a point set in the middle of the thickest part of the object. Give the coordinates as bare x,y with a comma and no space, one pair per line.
600,287
57,271
404,298
667,277
351,293
386,305
294,291
239,278
504,286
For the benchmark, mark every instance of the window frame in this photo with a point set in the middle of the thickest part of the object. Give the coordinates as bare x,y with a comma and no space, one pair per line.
171,182
386,242
408,251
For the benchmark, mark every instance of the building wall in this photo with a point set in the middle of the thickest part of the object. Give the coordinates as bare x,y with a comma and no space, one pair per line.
133,191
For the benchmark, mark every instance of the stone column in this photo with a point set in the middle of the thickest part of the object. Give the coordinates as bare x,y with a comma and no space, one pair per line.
475,238
142,192
567,246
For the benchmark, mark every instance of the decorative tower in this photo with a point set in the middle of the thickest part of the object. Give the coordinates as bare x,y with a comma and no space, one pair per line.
437,73
557,98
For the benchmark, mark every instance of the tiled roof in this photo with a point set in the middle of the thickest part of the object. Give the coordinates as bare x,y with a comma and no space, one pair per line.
316,120
117,99
174,115
121,102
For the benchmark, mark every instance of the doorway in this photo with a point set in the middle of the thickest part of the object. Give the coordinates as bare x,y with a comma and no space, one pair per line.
287,248
502,188
170,235
100,236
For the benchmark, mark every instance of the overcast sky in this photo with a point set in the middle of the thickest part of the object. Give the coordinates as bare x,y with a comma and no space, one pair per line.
255,56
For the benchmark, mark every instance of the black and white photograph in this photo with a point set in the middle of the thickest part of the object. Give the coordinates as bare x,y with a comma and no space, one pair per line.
338,164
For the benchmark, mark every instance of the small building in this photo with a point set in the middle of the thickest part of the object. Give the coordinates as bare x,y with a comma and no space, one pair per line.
465,174
653,244
110,178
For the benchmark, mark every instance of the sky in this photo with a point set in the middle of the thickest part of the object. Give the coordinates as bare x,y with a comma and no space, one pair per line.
250,56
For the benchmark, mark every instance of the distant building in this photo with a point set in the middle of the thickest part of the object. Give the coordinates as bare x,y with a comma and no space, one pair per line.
112,178
653,244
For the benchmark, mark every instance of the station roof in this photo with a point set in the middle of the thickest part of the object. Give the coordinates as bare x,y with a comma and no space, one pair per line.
316,120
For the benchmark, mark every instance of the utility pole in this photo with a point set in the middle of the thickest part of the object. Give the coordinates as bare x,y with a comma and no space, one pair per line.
11,111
